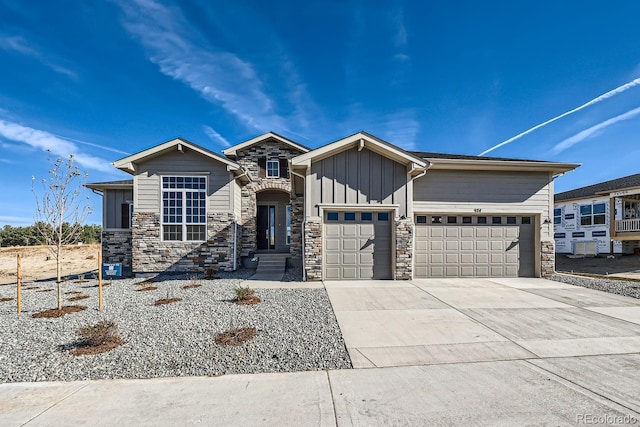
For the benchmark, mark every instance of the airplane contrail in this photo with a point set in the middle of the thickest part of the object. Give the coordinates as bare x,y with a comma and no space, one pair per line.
602,97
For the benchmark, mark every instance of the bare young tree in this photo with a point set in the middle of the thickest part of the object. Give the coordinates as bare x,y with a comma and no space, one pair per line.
61,209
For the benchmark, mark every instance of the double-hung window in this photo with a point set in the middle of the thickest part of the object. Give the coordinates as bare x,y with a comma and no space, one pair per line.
557,216
184,208
273,168
594,214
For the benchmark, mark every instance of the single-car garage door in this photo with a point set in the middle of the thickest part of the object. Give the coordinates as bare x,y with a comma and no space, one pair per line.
357,245
474,246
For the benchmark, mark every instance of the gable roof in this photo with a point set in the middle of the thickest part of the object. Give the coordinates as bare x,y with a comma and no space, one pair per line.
124,184
127,164
232,151
361,139
601,188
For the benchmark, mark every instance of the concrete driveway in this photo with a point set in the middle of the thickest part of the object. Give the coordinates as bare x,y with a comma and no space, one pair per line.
433,321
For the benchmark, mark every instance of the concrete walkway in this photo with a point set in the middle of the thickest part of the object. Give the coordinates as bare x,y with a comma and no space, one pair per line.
430,352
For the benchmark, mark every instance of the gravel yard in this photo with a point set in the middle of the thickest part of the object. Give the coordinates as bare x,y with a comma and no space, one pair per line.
296,331
614,286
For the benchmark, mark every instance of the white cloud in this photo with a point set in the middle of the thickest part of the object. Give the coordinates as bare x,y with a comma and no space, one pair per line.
220,77
15,220
47,142
402,129
18,44
595,100
594,130
215,136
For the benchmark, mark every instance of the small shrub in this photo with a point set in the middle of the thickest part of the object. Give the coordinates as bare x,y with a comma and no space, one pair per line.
98,338
211,273
244,293
246,296
235,336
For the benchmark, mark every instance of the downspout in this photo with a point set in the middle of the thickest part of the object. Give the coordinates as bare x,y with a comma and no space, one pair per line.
304,222
235,242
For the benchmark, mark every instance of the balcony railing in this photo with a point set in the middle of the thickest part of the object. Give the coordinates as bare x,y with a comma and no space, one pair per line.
627,225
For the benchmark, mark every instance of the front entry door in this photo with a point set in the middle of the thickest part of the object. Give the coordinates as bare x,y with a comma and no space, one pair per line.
266,227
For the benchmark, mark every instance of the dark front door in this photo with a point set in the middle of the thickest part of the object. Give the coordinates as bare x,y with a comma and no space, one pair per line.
266,227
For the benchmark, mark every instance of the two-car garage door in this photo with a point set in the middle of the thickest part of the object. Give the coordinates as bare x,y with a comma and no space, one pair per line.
478,246
358,245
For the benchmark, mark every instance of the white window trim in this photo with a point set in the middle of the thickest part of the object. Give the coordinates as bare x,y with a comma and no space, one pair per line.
277,162
183,223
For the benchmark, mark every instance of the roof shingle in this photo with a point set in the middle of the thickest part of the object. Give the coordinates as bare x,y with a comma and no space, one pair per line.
607,186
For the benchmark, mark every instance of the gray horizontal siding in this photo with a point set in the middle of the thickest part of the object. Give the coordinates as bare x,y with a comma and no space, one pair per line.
113,200
457,191
147,180
358,177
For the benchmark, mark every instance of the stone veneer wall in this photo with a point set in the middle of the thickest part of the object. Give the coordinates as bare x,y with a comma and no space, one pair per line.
297,216
547,259
151,254
313,248
404,249
116,248
248,159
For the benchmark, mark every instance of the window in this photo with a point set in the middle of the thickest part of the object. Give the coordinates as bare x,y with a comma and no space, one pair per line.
288,224
496,220
436,219
466,220
126,212
184,208
511,220
557,216
482,220
452,219
349,216
383,216
593,214
366,216
332,216
421,219
525,220
273,168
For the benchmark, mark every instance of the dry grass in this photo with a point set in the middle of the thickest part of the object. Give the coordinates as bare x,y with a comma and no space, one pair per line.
78,297
197,285
167,301
235,336
148,288
54,312
96,339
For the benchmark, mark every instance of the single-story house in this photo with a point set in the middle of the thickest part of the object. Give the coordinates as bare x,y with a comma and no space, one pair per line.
356,208
602,218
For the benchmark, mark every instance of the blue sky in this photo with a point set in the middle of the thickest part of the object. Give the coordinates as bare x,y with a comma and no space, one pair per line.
104,79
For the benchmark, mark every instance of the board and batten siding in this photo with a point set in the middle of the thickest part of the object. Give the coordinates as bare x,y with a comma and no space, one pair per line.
456,191
112,206
148,184
358,177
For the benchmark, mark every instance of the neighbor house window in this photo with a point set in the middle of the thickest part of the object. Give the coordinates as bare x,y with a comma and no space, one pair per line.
273,168
594,214
557,216
184,208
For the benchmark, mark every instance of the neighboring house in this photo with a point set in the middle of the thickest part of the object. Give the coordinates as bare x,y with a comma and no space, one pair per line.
602,218
357,208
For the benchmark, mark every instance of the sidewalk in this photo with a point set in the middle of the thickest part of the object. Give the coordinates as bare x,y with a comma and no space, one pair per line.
488,393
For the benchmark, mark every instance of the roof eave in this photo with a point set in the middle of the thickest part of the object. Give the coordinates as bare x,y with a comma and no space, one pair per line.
468,164
232,151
